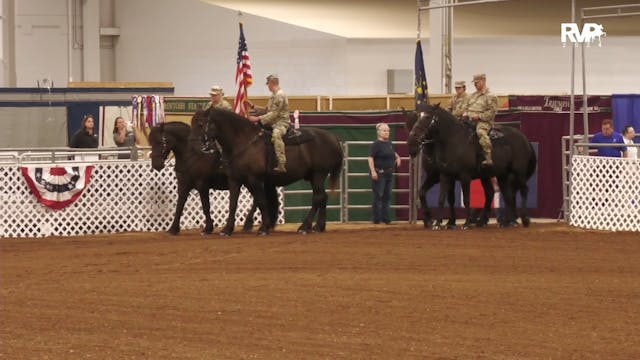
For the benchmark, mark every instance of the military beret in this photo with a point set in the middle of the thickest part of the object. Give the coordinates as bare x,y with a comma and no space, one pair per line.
460,84
216,90
272,77
479,77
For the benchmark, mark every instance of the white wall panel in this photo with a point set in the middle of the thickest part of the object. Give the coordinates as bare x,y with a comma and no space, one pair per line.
194,45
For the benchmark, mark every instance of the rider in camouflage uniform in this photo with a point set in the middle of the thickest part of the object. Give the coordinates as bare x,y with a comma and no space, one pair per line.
276,114
208,145
481,107
217,100
457,100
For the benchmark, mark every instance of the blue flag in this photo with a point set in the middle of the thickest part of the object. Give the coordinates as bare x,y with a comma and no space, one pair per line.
421,91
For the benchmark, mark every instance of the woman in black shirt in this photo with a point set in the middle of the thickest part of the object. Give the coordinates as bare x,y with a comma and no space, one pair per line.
382,161
85,137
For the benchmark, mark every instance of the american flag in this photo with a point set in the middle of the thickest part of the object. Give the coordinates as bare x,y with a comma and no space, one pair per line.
244,79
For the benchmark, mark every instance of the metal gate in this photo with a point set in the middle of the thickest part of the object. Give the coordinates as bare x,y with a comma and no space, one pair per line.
354,202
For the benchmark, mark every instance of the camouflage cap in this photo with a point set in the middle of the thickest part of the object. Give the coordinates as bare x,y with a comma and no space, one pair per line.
478,77
272,77
460,84
216,90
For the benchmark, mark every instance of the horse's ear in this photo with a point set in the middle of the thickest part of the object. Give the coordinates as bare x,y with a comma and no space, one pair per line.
437,106
410,119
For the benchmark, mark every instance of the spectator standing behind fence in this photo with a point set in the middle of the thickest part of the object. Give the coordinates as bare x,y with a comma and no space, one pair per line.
382,161
85,137
122,136
608,136
628,133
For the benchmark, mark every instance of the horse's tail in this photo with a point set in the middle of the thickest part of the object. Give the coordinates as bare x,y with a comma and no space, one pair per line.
533,162
334,172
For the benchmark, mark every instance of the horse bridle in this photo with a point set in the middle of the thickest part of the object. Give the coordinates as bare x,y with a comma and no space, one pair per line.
164,150
423,138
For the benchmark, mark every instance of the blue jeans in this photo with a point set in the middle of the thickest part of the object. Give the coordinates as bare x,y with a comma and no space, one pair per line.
381,190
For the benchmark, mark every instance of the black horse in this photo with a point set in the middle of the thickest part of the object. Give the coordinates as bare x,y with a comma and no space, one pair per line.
248,151
194,170
430,166
514,160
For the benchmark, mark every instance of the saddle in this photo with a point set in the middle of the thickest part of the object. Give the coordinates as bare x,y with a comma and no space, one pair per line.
494,133
291,137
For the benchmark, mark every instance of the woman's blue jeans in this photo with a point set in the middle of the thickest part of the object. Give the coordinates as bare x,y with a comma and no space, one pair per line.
381,190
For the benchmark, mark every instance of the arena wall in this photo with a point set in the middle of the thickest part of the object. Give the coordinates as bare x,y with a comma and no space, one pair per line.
194,45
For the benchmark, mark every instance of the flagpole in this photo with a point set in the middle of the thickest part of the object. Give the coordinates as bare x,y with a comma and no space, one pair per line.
246,91
419,23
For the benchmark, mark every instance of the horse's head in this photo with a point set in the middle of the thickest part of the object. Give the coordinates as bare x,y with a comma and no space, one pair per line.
199,121
161,146
228,127
421,126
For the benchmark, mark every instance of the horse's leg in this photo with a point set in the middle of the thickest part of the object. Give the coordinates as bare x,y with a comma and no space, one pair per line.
183,194
234,193
524,193
506,189
248,221
487,186
451,224
431,179
444,192
273,203
320,199
524,215
256,188
203,191
305,227
465,184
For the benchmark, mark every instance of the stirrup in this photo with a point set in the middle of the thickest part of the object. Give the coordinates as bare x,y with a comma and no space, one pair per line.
280,168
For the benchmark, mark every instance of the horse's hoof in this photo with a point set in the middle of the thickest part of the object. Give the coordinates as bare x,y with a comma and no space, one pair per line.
428,224
303,229
464,227
173,232
263,233
247,229
225,234
303,232
451,226
436,227
526,222
318,228
206,230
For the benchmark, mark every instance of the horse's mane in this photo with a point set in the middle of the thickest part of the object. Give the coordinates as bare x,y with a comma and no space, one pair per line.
177,124
237,122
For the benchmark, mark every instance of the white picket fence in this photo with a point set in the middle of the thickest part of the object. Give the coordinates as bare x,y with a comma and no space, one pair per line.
605,193
121,196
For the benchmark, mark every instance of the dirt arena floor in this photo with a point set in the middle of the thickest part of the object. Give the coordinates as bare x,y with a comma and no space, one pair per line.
354,292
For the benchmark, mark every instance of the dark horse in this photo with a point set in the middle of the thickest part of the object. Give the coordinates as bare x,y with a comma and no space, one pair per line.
194,170
248,151
430,164
514,160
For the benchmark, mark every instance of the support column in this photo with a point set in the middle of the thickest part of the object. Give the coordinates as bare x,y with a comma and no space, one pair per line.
433,57
8,55
91,40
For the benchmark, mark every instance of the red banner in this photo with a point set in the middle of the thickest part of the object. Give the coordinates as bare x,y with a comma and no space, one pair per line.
560,103
57,187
